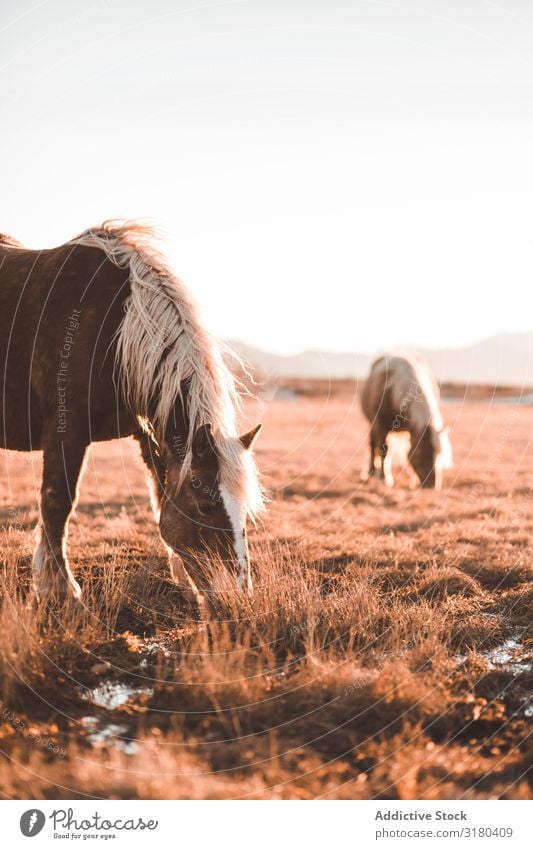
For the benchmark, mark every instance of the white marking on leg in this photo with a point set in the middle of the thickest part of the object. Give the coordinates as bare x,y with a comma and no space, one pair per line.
39,556
237,516
45,567
387,470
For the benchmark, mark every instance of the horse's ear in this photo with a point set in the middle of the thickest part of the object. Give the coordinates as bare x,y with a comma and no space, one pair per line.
247,439
203,445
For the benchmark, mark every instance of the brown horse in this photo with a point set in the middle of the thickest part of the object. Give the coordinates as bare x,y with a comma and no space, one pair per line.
99,340
401,396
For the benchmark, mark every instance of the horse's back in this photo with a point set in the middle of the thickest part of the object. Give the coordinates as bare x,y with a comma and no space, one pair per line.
70,270
59,310
373,392
387,373
396,391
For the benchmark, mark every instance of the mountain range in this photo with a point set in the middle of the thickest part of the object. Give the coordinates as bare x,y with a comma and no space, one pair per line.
505,359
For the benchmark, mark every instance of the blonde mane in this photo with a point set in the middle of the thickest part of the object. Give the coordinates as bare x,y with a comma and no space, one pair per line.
161,343
429,387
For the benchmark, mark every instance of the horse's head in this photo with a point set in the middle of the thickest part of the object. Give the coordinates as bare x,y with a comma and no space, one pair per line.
205,508
430,453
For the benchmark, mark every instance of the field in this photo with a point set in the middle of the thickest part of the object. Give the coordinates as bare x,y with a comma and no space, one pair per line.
386,653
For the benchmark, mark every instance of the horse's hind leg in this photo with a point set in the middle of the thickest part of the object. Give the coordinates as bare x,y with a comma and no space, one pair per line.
63,461
385,471
378,441
366,475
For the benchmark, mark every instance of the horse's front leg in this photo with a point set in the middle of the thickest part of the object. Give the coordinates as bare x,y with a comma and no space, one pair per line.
63,461
386,461
386,465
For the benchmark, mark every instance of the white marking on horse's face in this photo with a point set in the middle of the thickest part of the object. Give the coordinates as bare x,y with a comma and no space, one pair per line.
154,498
237,516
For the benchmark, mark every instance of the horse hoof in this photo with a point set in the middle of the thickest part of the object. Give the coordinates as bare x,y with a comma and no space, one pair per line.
59,590
74,589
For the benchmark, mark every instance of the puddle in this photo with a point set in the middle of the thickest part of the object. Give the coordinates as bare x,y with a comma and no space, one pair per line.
510,656
102,734
526,400
515,658
152,646
112,694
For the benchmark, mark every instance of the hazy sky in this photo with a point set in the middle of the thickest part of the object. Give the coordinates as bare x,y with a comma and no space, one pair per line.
342,175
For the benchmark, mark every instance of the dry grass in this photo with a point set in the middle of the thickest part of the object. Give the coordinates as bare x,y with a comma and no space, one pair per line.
369,663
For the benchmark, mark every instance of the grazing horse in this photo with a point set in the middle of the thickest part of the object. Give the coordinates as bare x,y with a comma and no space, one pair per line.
401,397
99,340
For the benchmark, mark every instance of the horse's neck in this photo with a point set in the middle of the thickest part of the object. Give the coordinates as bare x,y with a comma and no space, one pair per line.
176,436
420,415
426,407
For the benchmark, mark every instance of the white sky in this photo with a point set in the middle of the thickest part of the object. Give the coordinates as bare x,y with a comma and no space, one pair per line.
337,175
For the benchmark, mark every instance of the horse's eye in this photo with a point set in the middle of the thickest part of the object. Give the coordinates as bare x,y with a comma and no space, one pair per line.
207,509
